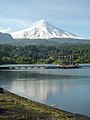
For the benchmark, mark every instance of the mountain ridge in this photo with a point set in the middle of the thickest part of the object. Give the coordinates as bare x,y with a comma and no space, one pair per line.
5,38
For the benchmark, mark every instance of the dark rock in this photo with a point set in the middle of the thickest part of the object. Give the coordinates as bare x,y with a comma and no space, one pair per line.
1,91
2,111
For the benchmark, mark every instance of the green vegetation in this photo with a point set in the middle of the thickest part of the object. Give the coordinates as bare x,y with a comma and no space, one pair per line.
44,54
13,107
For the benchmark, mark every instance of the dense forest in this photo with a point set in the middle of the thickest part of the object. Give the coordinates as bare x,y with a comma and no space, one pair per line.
44,54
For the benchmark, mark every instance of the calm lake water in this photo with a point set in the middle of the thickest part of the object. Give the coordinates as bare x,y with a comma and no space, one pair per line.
69,89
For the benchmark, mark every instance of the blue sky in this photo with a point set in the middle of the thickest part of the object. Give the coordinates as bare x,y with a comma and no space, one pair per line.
70,15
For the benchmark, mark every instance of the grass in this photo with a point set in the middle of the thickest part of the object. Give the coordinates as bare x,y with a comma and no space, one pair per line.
14,107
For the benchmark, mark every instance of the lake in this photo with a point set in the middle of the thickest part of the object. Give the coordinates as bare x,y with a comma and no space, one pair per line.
67,89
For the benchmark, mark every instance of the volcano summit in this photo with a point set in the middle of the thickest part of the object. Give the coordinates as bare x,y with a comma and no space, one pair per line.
43,30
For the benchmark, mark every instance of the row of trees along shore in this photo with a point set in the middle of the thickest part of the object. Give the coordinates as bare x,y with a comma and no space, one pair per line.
44,54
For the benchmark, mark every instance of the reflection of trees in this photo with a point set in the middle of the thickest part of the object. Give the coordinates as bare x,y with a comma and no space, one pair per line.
40,88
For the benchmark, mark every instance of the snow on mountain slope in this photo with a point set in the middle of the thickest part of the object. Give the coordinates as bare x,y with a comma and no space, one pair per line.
43,30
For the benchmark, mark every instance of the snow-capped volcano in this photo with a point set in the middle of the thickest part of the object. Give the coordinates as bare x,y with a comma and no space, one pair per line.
43,30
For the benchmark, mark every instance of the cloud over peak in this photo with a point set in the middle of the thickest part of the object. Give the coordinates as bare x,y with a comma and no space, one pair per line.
5,30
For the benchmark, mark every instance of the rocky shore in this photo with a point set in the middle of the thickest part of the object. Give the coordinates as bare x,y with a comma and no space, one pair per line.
14,107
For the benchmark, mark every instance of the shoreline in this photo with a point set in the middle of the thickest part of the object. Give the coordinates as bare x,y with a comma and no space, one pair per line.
13,106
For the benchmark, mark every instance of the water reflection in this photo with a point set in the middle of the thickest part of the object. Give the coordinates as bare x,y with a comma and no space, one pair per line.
39,86
67,88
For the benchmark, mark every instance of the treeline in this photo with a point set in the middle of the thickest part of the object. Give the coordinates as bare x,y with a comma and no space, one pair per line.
44,54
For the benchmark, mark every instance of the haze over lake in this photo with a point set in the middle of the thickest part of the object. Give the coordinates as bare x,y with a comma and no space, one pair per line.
68,89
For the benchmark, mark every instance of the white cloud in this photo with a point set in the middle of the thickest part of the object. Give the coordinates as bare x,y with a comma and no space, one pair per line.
5,30
15,24
20,22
